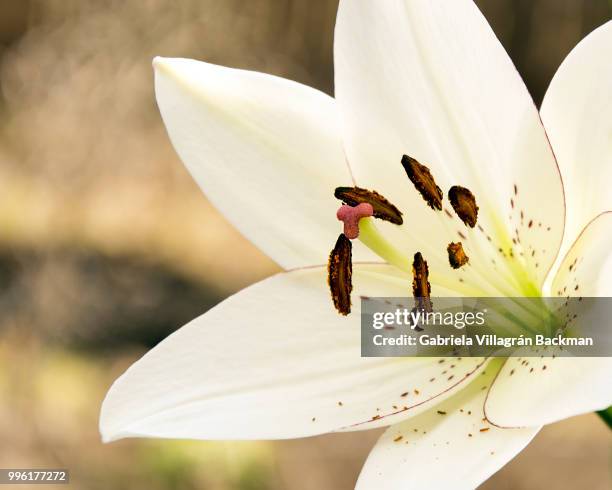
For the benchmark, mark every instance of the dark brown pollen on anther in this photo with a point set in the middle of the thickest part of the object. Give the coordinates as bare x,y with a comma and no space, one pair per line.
421,289
456,255
424,182
339,274
383,209
464,203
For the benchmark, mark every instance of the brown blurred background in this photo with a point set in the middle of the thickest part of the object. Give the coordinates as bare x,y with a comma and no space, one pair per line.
106,244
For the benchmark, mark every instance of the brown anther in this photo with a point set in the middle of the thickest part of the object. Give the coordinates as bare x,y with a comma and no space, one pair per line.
421,289
339,274
424,182
456,255
383,209
464,203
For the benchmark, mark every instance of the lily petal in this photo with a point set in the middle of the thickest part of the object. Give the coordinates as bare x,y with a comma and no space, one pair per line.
576,113
450,446
266,151
550,389
586,269
274,361
430,80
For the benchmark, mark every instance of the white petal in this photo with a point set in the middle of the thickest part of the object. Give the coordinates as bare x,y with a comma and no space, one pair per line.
266,151
444,450
429,79
274,361
577,114
531,394
586,269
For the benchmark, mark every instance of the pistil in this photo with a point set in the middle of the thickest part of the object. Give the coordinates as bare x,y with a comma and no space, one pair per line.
350,216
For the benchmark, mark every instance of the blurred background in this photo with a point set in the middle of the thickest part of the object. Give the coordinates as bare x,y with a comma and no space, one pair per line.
107,245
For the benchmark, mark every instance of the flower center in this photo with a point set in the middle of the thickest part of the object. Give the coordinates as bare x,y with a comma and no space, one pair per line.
362,206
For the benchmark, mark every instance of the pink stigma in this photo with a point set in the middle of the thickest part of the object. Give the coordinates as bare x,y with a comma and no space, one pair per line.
350,216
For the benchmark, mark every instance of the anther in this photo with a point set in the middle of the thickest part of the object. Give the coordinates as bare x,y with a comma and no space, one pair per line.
350,216
464,203
339,274
424,182
421,289
456,255
382,208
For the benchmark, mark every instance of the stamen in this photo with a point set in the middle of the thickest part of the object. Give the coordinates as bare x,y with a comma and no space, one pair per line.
456,255
382,208
339,274
464,203
421,289
351,215
424,182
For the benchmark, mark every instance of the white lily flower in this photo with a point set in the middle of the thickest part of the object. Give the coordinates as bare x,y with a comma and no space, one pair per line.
276,360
